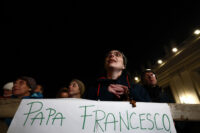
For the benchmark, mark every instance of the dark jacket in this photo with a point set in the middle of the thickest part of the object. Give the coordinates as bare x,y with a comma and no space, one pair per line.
139,94
99,91
35,95
157,94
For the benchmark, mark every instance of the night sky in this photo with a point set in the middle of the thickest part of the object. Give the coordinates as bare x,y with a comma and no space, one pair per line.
56,42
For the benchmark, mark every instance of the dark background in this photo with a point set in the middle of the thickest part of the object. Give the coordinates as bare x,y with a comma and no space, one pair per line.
55,42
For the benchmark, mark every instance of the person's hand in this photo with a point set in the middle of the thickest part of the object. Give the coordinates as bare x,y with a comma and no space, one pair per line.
117,89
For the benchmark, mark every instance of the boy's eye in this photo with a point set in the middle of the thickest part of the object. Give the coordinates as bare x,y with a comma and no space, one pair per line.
117,54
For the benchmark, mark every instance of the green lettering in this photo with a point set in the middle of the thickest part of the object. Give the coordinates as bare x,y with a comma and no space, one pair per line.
113,120
50,114
30,110
56,117
155,121
97,119
85,114
130,121
148,114
163,120
140,115
125,123
36,117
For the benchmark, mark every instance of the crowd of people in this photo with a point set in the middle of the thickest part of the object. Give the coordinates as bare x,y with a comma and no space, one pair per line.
115,84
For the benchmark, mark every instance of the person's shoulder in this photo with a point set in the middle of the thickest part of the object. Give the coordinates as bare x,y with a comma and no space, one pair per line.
100,79
159,89
137,86
36,95
139,93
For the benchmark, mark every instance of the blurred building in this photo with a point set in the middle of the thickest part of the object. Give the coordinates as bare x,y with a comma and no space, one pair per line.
180,72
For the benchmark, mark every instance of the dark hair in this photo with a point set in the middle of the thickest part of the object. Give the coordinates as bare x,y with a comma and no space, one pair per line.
124,59
29,81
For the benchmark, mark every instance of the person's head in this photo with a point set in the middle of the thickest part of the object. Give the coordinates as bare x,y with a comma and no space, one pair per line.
39,88
63,93
76,88
115,59
148,78
7,89
23,86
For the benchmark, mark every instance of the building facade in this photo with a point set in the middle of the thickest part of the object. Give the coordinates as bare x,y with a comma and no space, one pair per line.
181,72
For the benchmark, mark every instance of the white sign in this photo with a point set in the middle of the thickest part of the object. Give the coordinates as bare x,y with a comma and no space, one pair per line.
87,116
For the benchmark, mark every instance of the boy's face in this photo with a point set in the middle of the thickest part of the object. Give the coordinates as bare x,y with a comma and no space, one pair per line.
74,88
150,79
20,88
7,92
114,59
